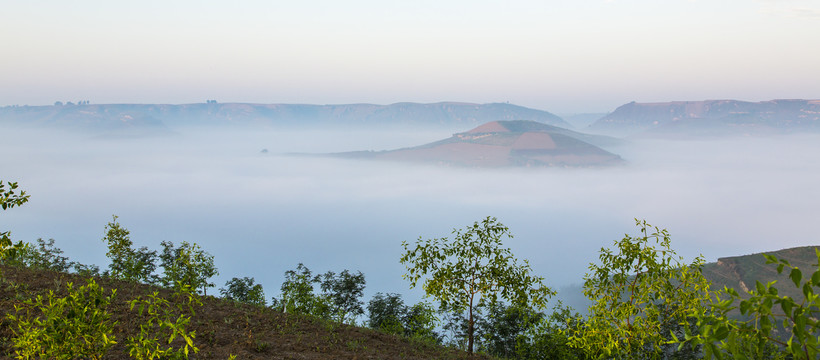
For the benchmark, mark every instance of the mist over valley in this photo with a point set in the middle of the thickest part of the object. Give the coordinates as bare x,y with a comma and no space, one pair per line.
261,214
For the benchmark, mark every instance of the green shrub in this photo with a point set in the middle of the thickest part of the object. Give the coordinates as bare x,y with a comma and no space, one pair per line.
127,263
503,327
385,313
244,291
547,338
166,323
298,296
344,291
71,327
388,313
187,264
9,198
44,256
636,290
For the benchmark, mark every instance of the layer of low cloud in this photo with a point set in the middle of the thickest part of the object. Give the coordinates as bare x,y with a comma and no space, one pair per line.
262,214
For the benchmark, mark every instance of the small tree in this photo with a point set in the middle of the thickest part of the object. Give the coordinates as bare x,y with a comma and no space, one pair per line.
385,313
187,265
344,291
635,292
298,296
503,327
244,290
126,263
45,256
472,270
420,322
547,338
389,314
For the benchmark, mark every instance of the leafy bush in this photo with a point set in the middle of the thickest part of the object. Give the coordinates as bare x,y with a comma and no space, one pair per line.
386,313
244,290
635,292
389,314
547,338
85,270
71,327
499,331
165,323
45,256
127,263
188,265
420,322
9,198
298,294
344,291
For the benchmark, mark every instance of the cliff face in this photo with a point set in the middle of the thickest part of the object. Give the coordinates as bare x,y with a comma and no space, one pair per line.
712,117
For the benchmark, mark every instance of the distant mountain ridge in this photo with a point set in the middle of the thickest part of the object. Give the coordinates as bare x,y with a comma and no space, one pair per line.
711,117
108,116
517,143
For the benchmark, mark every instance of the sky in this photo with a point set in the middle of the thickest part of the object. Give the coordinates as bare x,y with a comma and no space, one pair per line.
561,56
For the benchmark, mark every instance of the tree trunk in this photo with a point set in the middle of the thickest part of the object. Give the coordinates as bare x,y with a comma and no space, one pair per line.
470,329
470,335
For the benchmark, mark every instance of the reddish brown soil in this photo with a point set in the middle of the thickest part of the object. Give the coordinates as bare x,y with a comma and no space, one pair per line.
534,140
490,127
461,153
225,328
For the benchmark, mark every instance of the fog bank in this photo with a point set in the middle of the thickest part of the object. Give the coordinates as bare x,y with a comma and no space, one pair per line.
262,214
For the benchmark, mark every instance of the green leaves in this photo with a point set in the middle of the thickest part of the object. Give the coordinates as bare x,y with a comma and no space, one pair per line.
188,265
796,276
9,198
164,334
473,269
636,292
127,263
757,335
389,314
244,290
298,295
344,291
71,327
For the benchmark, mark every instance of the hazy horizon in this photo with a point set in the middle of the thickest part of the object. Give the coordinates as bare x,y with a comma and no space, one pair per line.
564,57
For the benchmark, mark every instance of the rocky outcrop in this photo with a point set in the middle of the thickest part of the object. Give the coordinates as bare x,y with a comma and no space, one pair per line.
711,117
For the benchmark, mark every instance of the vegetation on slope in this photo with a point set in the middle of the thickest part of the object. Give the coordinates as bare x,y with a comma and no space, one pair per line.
222,327
647,303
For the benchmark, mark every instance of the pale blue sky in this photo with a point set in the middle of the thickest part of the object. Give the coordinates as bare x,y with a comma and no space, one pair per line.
560,56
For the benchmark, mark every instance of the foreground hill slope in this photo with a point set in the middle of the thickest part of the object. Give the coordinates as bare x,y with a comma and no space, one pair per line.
224,328
711,117
108,116
506,143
